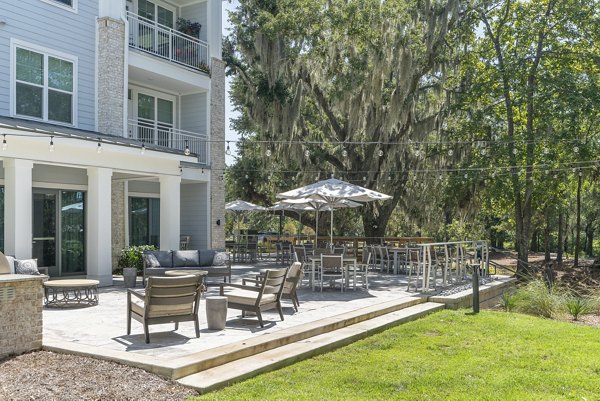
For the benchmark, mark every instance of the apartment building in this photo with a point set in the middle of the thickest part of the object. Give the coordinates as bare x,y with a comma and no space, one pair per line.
112,129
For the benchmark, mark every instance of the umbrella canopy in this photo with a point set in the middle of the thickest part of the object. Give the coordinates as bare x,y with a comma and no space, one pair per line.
281,206
239,206
319,205
333,191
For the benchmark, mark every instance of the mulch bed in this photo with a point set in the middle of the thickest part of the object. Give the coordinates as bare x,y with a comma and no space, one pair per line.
47,375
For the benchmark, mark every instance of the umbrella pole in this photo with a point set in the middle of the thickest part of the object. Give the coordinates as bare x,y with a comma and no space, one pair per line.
331,230
317,230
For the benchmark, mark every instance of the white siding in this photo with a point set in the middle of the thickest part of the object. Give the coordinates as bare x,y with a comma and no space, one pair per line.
46,25
194,211
193,113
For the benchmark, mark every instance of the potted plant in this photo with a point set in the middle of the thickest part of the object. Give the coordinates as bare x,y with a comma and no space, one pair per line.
131,263
188,27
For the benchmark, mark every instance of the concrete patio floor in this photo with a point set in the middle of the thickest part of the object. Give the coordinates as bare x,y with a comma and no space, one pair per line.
104,326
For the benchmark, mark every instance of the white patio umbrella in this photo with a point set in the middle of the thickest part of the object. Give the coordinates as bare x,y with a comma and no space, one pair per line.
318,206
333,191
240,206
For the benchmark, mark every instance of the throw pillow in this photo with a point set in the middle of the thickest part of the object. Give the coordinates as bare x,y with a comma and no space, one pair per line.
150,260
220,259
11,263
26,266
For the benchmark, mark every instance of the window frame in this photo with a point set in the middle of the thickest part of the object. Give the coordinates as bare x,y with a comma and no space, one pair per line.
46,53
72,8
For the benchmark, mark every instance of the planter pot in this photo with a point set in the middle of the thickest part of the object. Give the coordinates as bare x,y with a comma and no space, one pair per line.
129,276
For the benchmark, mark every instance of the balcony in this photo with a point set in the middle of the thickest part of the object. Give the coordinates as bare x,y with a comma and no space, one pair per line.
167,43
152,132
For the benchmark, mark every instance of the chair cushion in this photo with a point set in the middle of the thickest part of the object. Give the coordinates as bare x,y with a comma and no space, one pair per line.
165,258
27,266
137,306
220,259
150,260
206,257
186,258
245,297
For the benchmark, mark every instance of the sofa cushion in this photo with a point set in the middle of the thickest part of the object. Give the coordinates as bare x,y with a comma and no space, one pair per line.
165,258
186,258
220,259
11,263
150,260
206,257
27,266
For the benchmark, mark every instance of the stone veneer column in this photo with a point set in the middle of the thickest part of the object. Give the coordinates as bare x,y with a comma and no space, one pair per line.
118,220
111,76
217,153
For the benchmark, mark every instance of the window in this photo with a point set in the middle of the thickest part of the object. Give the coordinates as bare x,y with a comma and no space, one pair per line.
44,86
69,5
144,221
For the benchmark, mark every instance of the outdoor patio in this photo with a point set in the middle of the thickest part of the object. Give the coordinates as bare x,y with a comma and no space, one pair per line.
104,325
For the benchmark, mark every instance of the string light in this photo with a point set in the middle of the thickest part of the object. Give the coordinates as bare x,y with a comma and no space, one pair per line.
4,144
380,153
307,153
99,148
450,152
51,147
268,152
576,149
187,149
514,151
228,150
344,153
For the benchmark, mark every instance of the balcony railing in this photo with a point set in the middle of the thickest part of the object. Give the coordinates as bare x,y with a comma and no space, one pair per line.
152,132
162,41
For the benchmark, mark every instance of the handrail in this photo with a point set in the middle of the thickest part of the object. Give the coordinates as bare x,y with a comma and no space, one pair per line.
160,40
152,132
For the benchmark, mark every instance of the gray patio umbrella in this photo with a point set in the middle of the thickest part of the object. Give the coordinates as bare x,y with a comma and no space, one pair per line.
300,209
333,191
319,206
239,207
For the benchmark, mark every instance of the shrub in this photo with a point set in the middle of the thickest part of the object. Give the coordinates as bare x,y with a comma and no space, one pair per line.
131,256
508,301
578,306
535,298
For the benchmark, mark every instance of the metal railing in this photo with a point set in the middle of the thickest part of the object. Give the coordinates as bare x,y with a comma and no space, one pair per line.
162,41
155,133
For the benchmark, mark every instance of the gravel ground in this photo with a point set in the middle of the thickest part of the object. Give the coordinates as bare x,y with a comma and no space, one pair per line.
49,376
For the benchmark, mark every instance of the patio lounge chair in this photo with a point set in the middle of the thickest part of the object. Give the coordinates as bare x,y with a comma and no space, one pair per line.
292,280
165,300
265,294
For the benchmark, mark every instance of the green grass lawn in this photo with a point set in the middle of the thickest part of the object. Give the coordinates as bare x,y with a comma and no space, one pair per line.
448,355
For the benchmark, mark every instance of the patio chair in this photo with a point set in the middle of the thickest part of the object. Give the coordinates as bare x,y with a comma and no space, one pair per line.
361,271
295,274
165,300
265,294
332,269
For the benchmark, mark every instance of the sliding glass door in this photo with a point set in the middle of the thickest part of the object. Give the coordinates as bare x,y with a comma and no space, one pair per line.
59,231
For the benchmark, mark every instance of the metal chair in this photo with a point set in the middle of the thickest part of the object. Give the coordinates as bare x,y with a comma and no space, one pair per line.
332,269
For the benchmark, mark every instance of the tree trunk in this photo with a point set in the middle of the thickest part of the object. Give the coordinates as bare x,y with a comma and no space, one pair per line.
589,239
559,250
547,239
578,222
566,244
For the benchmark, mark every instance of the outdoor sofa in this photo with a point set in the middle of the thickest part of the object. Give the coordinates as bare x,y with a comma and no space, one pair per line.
216,263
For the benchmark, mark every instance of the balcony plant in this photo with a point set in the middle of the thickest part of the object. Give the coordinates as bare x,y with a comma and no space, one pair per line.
188,27
130,262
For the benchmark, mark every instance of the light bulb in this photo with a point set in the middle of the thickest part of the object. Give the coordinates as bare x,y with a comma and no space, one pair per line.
246,176
364,178
307,153
546,150
344,153
380,153
187,149
417,152
514,151
4,144
466,175
51,147
450,152
268,152
143,149
440,176
99,148
228,150
576,149
483,152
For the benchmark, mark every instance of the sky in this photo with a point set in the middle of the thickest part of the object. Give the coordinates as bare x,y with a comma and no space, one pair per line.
229,112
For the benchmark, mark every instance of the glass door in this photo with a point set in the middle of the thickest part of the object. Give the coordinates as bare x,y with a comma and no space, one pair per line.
59,231
44,230
155,119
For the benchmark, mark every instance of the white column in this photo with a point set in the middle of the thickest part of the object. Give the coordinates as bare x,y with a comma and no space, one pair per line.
170,206
214,34
99,240
18,208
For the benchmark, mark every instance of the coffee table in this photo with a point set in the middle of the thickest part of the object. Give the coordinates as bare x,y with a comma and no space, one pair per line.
74,292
